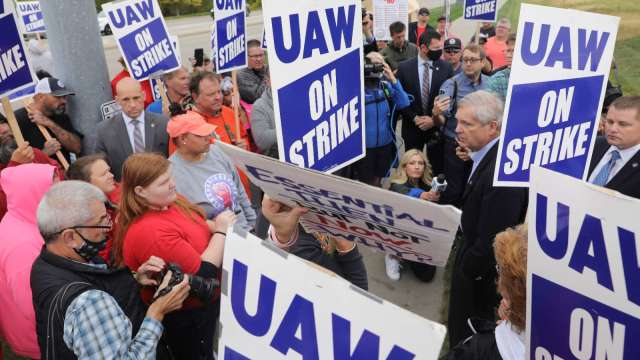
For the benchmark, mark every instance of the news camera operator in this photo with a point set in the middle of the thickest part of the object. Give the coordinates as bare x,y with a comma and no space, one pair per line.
383,97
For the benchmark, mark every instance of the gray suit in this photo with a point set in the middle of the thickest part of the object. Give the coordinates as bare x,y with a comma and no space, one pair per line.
113,139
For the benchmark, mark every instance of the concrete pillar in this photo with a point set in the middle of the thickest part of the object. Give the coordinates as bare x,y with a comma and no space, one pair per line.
78,56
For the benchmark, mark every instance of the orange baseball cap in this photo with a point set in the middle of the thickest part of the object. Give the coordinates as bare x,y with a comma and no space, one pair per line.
189,123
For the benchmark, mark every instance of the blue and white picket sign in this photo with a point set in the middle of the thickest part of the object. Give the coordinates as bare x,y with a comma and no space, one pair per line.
15,72
142,37
27,92
3,6
583,273
263,41
278,306
317,77
556,88
385,221
230,45
31,16
480,10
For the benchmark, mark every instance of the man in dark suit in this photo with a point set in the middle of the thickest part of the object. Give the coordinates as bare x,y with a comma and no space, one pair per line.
486,211
616,158
135,130
422,77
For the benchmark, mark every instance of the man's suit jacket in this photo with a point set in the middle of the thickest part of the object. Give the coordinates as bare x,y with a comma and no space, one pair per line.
486,211
113,139
410,80
627,180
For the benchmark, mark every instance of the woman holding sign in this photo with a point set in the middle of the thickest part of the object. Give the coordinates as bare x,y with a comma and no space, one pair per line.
155,221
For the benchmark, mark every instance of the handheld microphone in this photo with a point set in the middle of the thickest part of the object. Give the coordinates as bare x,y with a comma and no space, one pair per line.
439,184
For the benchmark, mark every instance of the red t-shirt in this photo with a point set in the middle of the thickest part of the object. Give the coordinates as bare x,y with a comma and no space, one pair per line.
170,235
495,51
419,32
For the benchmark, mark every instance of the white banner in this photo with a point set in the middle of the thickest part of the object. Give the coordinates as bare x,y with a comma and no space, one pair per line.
278,306
583,273
397,224
385,13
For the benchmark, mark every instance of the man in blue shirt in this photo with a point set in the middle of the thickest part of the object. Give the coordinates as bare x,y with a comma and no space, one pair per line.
452,92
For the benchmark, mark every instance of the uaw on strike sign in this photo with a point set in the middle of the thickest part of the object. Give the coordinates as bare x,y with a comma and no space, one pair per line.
142,37
15,72
583,271
316,65
229,47
558,79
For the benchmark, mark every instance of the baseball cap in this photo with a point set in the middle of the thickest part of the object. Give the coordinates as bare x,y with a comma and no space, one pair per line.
53,86
189,123
423,11
442,18
453,44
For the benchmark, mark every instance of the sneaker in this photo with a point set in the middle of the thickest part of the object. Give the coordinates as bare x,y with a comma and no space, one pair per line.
393,267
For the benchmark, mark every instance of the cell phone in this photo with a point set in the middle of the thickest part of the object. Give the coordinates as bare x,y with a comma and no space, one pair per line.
198,54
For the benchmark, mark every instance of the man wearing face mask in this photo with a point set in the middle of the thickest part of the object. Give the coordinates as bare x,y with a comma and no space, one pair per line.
83,308
49,110
422,77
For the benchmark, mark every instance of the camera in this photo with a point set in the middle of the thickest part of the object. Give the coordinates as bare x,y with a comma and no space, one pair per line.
203,289
373,70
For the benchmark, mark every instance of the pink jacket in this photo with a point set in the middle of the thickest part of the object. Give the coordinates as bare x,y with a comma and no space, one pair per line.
20,244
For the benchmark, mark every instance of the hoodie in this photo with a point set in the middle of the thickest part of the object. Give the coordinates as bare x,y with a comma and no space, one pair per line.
20,244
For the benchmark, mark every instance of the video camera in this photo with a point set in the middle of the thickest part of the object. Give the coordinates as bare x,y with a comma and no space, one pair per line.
373,71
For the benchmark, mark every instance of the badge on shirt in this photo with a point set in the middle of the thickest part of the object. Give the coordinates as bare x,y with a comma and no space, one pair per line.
221,192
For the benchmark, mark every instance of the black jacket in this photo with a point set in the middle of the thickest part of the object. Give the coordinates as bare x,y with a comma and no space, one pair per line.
413,31
627,180
486,211
481,346
409,78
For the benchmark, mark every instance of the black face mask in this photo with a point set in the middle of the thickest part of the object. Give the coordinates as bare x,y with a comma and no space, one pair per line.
90,249
434,55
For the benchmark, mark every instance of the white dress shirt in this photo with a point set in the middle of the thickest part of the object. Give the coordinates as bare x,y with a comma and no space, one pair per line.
131,127
625,156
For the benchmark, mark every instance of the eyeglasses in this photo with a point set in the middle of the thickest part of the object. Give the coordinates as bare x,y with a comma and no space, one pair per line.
470,60
256,56
452,51
107,226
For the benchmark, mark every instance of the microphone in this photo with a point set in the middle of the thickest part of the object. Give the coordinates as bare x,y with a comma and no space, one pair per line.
439,184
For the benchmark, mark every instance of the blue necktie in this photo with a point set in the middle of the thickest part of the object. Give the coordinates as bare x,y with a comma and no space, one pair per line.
603,175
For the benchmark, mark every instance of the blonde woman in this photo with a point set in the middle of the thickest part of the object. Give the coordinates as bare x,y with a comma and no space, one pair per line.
412,178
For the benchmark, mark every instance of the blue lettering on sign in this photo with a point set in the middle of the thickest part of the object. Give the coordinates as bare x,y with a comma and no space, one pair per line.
229,4
480,10
148,50
130,15
14,68
322,129
589,49
590,249
552,126
300,315
569,325
230,38
341,29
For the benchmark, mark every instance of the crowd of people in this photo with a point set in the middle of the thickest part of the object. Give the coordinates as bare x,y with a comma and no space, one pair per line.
120,255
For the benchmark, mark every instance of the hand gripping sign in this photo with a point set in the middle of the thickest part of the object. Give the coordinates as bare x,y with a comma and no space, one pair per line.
230,44
142,37
278,306
316,65
583,273
393,223
557,84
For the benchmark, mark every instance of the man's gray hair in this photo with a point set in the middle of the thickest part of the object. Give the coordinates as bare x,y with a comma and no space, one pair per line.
486,106
66,204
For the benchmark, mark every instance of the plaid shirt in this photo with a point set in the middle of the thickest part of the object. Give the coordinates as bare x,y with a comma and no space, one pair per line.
499,83
95,327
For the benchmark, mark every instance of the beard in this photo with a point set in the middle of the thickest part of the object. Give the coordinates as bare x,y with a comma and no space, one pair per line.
7,147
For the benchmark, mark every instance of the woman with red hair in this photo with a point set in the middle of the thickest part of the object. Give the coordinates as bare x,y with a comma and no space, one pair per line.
155,221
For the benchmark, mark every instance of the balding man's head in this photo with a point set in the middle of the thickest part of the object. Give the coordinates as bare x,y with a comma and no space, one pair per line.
130,97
